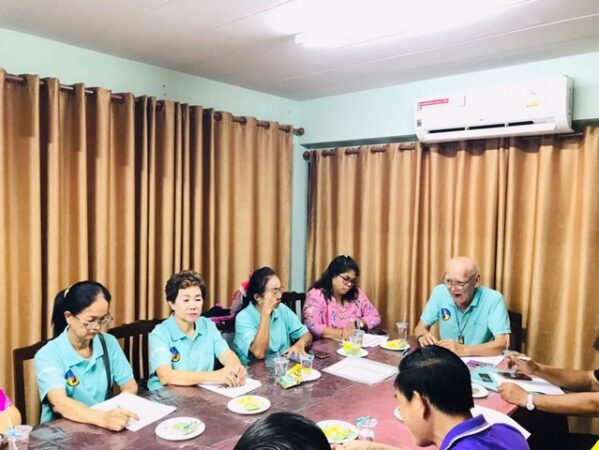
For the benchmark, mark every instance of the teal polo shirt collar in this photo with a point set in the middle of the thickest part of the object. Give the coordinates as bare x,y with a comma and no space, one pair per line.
70,355
177,334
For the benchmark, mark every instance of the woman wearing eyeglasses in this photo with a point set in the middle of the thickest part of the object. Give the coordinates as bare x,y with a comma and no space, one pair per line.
335,306
264,326
73,369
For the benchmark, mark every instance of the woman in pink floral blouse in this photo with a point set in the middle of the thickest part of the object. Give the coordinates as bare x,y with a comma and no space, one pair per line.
335,305
8,413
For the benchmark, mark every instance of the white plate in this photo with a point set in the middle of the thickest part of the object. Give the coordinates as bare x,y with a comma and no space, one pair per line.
397,414
240,405
312,376
389,345
174,429
328,426
479,391
362,353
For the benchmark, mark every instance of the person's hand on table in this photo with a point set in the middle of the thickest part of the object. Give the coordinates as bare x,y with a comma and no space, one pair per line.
512,393
363,445
238,373
452,345
525,366
117,419
427,339
227,376
348,330
298,349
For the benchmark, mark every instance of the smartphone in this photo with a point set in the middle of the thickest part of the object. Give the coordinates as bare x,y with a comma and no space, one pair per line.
485,377
514,376
320,355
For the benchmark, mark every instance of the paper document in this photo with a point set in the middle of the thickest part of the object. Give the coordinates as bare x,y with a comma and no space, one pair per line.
493,360
536,385
232,392
362,370
492,416
372,340
147,410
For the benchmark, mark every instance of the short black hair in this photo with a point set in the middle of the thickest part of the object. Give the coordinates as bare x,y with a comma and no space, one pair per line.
340,264
283,431
183,280
439,375
75,299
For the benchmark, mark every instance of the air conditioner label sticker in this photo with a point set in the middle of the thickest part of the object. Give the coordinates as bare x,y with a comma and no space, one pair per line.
435,101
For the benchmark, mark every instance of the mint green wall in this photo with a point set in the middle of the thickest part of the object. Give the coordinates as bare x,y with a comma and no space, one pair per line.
388,111
23,53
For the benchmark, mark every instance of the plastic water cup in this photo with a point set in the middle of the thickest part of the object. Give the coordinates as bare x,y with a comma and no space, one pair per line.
280,366
18,437
366,426
402,330
306,365
359,334
354,345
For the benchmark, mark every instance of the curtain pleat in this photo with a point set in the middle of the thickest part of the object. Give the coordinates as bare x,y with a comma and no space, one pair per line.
526,209
118,190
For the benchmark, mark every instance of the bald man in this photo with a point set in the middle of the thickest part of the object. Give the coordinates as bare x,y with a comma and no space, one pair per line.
473,319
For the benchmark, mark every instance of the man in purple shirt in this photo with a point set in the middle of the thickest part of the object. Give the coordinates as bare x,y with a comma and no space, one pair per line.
434,394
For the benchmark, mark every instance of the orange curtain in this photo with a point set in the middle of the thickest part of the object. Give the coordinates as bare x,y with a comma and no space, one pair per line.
526,209
249,203
128,191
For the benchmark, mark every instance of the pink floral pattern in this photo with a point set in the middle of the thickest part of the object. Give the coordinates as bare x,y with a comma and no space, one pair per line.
320,313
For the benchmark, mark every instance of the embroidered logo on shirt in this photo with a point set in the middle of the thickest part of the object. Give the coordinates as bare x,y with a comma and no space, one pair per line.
175,355
72,380
445,314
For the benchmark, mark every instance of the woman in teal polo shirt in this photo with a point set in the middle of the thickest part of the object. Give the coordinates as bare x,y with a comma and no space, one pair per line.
70,370
264,326
183,348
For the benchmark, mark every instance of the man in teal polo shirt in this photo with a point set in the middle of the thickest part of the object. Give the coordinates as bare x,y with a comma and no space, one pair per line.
473,319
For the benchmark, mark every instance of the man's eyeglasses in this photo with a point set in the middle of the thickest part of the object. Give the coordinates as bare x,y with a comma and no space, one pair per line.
95,324
458,285
347,280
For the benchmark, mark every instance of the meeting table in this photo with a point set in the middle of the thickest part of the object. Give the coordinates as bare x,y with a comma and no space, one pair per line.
329,397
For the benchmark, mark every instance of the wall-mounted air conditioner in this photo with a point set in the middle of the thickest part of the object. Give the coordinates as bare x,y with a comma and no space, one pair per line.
542,106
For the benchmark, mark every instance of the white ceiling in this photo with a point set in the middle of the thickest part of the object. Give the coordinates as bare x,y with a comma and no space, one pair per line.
231,41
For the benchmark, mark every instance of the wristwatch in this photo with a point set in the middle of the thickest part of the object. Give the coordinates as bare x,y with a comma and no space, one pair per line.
529,402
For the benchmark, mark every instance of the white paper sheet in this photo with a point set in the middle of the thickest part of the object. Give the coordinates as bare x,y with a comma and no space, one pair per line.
494,360
232,392
147,410
362,370
536,385
492,416
372,340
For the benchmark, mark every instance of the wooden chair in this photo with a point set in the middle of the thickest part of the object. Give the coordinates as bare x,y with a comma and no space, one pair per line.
294,301
135,346
19,356
516,326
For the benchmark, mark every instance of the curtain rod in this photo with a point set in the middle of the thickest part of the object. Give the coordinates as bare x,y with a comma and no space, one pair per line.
356,151
217,115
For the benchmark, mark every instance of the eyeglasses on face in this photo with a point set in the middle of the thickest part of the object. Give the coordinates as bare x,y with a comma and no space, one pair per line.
95,324
458,285
347,280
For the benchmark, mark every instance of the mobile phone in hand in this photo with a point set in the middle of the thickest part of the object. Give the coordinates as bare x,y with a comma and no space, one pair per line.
485,377
320,355
514,376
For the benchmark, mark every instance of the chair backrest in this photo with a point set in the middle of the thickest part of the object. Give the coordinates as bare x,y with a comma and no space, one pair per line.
19,356
516,326
135,346
295,301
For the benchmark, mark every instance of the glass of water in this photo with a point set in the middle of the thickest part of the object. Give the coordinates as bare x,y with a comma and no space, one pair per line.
402,331
366,426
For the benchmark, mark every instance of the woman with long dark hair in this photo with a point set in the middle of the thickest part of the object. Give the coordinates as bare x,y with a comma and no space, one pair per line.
264,326
335,306
77,368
